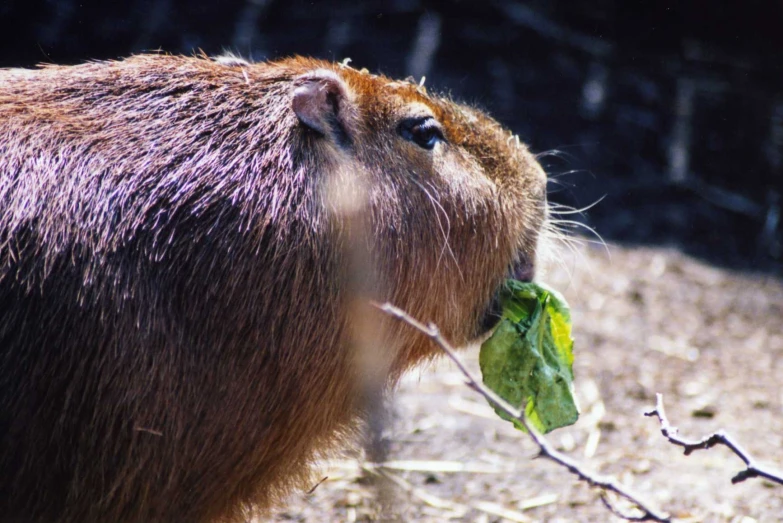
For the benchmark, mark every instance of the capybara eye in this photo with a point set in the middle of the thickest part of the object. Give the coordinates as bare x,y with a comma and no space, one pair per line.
424,132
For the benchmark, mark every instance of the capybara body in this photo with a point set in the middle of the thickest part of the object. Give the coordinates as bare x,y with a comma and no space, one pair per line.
174,328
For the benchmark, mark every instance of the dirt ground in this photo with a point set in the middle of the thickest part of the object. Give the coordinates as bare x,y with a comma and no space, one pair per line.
645,320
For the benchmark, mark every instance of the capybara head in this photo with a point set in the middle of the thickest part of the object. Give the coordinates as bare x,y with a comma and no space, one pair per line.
173,257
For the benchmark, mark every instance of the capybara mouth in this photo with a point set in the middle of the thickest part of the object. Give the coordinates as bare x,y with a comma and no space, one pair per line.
522,270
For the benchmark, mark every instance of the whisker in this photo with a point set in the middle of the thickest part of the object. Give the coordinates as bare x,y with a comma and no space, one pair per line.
552,250
446,246
563,174
565,225
560,209
554,153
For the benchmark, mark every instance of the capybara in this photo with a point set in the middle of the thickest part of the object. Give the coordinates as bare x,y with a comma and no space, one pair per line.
174,327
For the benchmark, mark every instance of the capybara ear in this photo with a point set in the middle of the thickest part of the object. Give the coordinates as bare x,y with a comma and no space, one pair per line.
320,102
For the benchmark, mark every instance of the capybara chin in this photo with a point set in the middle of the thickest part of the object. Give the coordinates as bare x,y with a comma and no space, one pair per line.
174,327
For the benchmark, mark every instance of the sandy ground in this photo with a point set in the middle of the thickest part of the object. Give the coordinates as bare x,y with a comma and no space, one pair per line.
645,320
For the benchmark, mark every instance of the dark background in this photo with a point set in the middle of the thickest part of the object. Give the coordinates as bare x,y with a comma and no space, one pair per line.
672,111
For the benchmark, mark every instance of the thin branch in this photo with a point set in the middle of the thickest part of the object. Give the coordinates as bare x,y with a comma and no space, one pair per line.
752,470
317,485
545,449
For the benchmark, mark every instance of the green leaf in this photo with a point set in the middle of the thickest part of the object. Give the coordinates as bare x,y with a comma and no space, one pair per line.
529,357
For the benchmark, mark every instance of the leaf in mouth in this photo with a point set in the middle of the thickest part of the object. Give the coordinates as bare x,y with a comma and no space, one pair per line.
529,357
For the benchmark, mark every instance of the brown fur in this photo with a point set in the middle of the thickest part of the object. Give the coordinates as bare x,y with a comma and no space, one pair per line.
172,318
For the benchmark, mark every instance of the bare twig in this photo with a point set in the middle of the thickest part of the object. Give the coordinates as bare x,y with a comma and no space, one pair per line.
752,470
545,449
312,489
